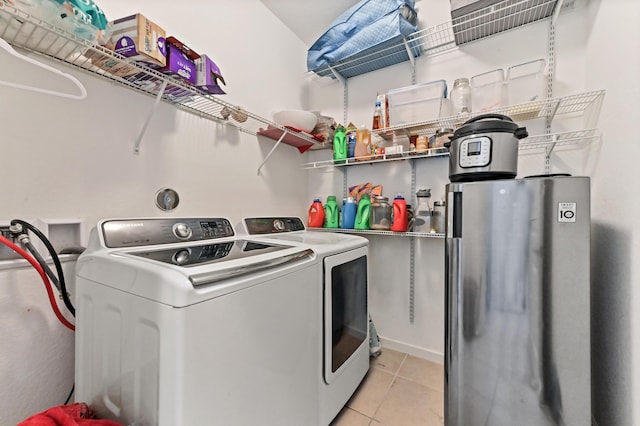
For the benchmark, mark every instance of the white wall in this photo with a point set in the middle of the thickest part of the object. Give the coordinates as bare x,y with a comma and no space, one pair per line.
596,49
69,159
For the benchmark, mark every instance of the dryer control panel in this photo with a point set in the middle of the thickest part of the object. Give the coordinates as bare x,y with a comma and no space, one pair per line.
146,232
272,225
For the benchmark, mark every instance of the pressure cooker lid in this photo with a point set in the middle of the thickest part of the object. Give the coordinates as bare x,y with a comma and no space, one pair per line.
490,123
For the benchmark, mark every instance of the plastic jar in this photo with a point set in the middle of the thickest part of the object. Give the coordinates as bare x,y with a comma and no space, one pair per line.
437,220
422,221
422,143
461,96
381,214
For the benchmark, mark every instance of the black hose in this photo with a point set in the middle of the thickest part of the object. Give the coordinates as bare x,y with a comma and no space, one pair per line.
42,263
73,388
56,262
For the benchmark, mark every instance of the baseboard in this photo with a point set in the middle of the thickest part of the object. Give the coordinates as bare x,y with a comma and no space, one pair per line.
412,350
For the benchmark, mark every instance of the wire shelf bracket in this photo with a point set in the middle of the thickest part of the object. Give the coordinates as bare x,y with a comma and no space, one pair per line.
136,146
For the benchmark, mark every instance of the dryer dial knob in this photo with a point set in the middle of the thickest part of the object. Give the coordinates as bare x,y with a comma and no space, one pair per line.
181,256
182,231
278,225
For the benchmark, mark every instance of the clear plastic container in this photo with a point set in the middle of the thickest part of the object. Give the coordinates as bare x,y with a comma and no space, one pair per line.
526,82
488,91
381,213
420,102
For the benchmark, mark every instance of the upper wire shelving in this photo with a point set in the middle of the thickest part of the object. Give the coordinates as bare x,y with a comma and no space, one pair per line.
571,105
30,33
461,30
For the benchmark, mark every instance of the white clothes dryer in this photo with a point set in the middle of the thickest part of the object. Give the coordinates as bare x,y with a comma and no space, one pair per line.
179,322
344,314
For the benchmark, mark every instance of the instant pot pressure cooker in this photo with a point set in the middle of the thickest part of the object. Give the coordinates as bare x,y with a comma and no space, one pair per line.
485,148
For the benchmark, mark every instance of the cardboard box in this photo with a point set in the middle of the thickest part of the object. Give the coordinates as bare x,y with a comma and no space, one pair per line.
138,38
179,64
113,66
208,75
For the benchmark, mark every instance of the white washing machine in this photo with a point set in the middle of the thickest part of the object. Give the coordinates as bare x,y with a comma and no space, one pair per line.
343,321
180,323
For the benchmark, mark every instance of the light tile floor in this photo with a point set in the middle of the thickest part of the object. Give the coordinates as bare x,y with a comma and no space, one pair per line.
399,389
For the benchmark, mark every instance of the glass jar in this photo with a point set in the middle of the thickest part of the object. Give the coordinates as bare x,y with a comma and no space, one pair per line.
441,136
461,96
381,213
437,220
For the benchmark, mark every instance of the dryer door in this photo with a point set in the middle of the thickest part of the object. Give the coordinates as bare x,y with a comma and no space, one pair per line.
345,309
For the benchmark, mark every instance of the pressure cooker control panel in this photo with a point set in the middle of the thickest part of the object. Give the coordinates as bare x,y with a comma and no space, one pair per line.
475,152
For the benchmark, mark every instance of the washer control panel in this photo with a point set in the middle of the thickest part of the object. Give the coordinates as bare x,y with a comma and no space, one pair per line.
272,225
146,232
475,152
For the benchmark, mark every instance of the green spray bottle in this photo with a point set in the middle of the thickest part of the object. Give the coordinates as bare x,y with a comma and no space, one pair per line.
363,215
331,212
339,144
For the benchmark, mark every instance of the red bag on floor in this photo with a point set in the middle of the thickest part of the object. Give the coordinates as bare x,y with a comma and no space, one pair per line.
78,414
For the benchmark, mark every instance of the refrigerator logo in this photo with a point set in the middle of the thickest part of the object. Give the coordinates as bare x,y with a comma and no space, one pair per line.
566,212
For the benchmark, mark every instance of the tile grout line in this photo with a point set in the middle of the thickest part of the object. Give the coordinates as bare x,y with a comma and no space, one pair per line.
395,376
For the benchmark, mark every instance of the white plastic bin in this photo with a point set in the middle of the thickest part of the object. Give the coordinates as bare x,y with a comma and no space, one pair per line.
420,102
526,82
488,91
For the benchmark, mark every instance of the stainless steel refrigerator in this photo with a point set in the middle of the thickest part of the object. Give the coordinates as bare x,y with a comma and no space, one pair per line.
517,337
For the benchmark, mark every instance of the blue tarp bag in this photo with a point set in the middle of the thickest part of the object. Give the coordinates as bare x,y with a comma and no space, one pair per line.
369,24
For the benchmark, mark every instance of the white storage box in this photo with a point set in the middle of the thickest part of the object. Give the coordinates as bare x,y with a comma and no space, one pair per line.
526,82
488,91
420,102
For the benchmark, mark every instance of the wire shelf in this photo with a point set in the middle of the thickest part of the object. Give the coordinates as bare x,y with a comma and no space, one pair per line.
473,26
554,140
379,158
32,34
546,142
375,232
546,108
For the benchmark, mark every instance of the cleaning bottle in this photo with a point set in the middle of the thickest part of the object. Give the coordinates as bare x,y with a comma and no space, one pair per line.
339,145
351,140
422,221
331,212
363,215
377,116
349,213
363,144
316,214
400,218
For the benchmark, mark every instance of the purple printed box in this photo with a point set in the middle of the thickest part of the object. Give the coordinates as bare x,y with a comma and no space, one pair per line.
138,38
208,75
179,64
